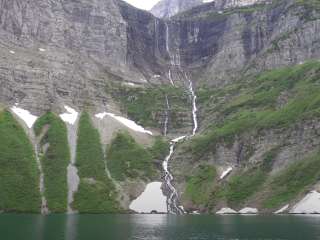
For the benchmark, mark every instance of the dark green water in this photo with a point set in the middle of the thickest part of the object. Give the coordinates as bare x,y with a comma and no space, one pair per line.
154,227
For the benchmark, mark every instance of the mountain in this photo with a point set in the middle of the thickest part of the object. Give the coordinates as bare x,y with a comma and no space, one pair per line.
169,8
100,102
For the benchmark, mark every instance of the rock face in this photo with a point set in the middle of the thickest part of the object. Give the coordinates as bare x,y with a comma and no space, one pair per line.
61,51
169,8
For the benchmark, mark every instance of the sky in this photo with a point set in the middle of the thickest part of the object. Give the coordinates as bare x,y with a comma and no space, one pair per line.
143,4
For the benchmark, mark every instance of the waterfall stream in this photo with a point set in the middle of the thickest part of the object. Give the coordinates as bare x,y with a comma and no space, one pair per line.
171,192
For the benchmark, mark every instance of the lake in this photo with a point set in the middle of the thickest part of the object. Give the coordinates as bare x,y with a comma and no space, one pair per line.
157,227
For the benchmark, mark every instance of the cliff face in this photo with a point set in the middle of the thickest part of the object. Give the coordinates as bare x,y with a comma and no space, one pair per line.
249,39
61,51
169,8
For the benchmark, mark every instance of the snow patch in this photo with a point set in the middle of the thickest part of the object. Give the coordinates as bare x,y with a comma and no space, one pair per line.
152,199
248,210
281,210
226,173
12,52
130,84
25,115
101,115
309,205
70,116
42,50
223,211
128,123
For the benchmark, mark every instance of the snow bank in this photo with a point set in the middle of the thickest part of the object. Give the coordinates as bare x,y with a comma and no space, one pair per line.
309,205
281,210
70,116
42,50
248,210
12,52
223,211
128,123
130,84
226,173
152,199
25,115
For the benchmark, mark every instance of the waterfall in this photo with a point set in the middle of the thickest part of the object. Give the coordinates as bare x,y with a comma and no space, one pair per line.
168,178
166,120
175,63
194,106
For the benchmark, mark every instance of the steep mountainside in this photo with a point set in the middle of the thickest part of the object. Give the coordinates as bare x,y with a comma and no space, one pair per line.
169,8
223,102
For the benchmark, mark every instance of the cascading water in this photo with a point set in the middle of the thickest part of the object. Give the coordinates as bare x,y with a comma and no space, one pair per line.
194,105
166,120
172,194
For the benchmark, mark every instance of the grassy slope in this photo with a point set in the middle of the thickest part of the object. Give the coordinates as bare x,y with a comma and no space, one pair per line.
255,108
250,106
292,181
127,159
19,177
147,106
96,192
54,161
200,185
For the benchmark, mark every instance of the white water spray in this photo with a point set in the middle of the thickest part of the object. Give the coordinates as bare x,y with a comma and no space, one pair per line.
194,105
173,197
166,120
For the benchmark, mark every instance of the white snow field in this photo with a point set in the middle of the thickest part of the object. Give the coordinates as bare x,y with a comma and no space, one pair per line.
224,211
226,173
127,122
70,116
281,210
152,199
248,210
25,115
308,205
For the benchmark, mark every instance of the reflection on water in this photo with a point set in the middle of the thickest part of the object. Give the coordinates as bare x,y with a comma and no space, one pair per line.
72,226
157,227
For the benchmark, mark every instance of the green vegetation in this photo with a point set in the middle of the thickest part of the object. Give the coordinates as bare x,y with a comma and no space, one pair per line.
54,159
146,106
293,180
96,192
128,159
19,177
246,182
200,185
256,107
